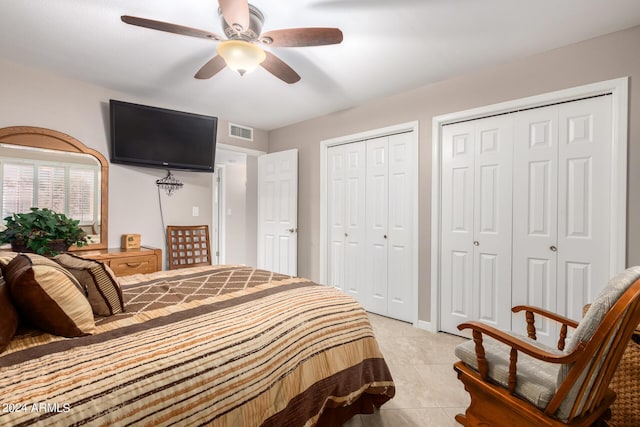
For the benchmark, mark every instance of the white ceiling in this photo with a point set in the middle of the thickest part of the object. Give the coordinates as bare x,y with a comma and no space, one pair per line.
389,46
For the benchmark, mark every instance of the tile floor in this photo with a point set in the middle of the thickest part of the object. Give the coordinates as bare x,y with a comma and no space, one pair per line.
428,394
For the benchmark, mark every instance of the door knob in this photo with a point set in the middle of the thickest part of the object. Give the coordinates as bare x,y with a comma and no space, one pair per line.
476,243
346,234
293,230
553,248
385,236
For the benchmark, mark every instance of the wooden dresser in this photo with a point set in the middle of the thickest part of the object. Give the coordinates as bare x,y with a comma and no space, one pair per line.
125,262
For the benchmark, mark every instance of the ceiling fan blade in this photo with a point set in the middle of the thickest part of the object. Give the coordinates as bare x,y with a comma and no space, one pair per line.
280,69
235,12
169,28
211,68
299,37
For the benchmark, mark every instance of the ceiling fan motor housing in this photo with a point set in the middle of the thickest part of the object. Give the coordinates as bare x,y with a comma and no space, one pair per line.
236,32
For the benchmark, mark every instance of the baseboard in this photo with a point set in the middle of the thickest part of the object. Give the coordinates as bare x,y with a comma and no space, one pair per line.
427,326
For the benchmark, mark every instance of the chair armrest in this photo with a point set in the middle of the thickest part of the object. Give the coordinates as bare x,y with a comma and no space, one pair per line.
516,344
545,313
531,327
520,345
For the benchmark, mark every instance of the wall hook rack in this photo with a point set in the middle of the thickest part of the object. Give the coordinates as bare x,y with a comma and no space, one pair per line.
169,183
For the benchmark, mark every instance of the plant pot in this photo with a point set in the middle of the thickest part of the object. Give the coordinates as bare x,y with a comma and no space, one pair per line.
57,246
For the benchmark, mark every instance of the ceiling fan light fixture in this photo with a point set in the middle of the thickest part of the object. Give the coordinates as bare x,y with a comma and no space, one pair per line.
241,56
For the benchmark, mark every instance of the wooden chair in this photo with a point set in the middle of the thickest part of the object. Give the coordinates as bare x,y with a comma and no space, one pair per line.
516,381
188,246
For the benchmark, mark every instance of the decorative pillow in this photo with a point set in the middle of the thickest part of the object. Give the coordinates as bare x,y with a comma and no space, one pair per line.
8,317
49,297
5,259
103,289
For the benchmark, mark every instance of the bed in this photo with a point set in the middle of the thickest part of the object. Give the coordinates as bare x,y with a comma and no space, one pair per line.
215,345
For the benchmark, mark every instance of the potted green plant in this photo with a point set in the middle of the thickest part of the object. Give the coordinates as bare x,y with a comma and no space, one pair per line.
42,231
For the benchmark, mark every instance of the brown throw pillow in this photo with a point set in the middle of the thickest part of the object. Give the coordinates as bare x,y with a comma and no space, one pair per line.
49,297
8,317
103,289
5,259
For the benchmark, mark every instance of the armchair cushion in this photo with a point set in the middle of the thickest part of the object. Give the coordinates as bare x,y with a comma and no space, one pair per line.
536,380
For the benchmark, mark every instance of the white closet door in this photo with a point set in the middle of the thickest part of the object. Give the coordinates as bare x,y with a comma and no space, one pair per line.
355,226
583,215
377,196
401,179
336,176
561,223
535,223
389,257
346,205
476,223
458,158
492,220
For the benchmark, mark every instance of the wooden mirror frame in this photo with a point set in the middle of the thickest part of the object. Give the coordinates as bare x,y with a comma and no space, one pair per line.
37,137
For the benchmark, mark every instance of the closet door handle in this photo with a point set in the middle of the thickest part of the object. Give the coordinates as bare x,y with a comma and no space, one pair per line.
385,236
476,243
346,234
553,248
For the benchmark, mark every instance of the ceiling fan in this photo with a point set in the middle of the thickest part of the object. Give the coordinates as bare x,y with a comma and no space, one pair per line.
241,51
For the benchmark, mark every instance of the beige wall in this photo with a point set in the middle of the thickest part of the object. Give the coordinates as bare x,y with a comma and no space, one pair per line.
235,177
32,97
608,57
251,232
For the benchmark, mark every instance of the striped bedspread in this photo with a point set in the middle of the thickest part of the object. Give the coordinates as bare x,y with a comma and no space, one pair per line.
221,346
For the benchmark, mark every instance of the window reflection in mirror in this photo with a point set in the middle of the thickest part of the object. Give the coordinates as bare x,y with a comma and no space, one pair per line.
64,182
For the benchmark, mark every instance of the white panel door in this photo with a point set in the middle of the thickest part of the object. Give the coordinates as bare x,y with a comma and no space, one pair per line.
336,177
561,225
476,223
535,223
492,220
355,217
390,210
400,181
217,216
377,196
346,214
458,158
584,156
371,215
278,212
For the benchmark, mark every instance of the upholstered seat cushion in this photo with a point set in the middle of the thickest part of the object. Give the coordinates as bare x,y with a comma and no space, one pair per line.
536,380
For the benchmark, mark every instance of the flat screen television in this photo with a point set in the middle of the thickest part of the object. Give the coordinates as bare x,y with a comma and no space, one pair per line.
156,137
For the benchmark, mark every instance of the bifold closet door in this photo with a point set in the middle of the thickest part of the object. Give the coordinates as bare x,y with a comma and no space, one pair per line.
476,223
389,219
346,209
561,217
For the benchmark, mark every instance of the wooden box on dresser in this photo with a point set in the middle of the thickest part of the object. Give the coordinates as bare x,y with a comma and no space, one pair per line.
125,262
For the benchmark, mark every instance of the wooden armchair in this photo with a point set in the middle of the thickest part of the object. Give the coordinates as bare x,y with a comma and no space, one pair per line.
188,246
516,381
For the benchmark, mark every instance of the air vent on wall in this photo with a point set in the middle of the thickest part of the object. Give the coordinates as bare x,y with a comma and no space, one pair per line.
242,132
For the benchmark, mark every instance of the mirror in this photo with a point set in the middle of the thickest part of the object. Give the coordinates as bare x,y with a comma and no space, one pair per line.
43,150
